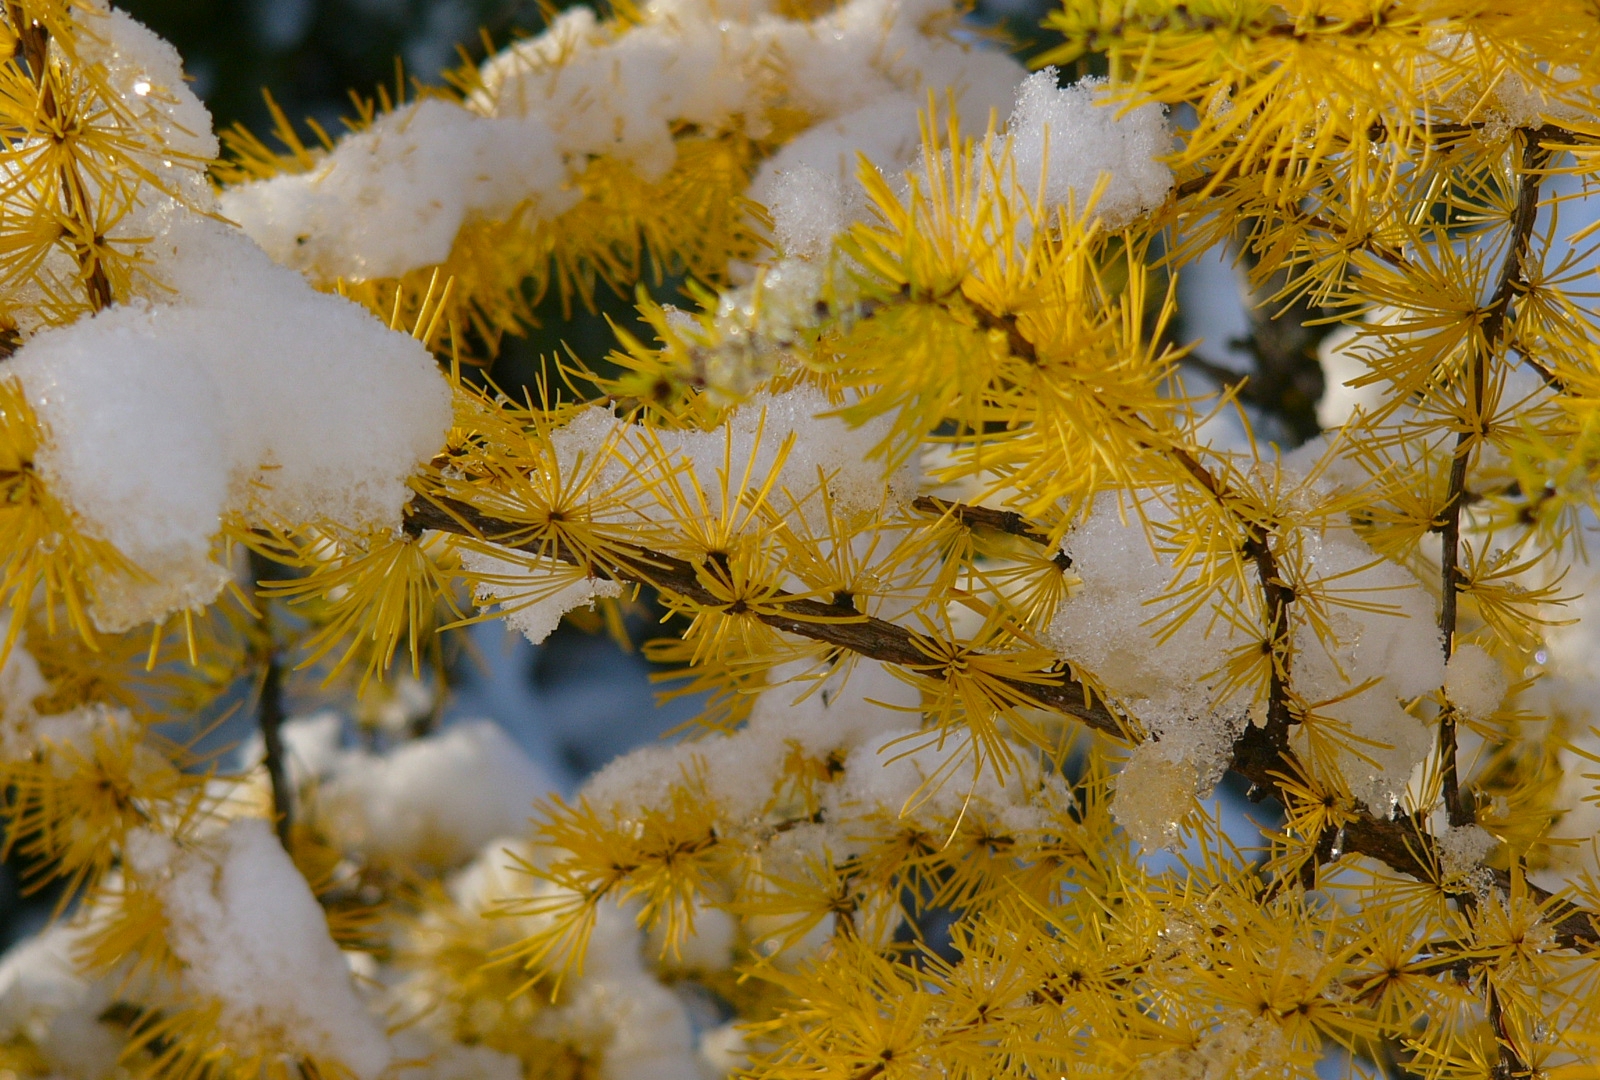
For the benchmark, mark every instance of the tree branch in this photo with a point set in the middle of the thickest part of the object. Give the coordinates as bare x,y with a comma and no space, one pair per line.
1276,594
1530,156
834,624
1002,521
1531,159
1261,756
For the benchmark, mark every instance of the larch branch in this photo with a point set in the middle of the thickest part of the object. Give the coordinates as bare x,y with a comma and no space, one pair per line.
834,624
1512,281
1258,757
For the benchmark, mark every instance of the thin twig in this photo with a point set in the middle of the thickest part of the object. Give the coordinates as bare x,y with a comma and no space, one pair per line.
269,716
1002,521
1493,326
1225,377
1276,594
269,709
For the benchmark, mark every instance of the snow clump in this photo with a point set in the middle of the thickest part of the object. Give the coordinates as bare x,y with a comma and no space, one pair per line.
809,186
391,198
532,592
872,772
253,938
1376,648
1475,682
1462,849
1063,141
809,207
1155,790
246,392
635,1027
1386,642
435,800
1114,625
1070,138
1172,678
146,73
45,999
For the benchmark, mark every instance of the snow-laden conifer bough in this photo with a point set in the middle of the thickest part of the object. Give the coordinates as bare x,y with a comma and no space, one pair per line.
981,595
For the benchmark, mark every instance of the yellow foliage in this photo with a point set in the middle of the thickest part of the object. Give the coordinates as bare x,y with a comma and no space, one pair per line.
979,597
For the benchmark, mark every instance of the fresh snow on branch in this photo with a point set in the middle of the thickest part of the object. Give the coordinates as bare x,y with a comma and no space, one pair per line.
391,198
